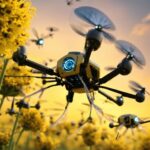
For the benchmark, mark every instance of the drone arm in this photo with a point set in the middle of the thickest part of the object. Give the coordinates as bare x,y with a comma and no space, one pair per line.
123,68
125,94
40,67
87,56
91,44
142,122
107,96
22,60
109,76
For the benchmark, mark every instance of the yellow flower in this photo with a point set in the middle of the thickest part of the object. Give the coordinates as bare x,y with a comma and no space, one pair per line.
4,138
144,143
44,142
15,16
69,127
32,120
12,86
113,144
90,134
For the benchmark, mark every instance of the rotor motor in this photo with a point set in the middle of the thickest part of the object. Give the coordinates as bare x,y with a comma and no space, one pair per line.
93,39
125,67
140,96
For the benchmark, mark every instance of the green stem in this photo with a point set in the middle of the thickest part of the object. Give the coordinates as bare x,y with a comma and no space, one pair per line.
3,72
10,145
26,145
18,138
2,101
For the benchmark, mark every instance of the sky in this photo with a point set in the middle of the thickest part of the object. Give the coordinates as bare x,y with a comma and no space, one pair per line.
132,21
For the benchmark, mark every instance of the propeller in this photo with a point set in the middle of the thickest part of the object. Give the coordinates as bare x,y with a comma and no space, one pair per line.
35,33
110,68
132,51
136,87
95,18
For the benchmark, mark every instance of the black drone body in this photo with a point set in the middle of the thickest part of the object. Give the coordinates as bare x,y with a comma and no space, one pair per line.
75,70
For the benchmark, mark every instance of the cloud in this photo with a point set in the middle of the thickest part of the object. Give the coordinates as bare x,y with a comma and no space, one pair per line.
143,27
146,19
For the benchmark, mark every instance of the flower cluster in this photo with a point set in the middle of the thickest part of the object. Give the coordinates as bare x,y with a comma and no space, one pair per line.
13,86
15,16
43,142
90,134
145,143
32,120
4,139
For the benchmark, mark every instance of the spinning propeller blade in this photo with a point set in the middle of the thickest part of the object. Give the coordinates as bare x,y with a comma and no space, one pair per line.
136,87
35,33
78,29
96,18
110,68
109,36
131,50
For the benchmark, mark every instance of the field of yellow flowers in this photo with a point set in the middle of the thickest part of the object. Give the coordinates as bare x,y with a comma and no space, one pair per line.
24,125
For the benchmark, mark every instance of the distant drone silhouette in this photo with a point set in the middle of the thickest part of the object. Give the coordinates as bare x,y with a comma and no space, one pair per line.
39,40
70,2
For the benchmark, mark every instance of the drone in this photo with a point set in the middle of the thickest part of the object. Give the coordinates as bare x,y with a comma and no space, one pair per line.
129,121
52,30
78,73
21,104
39,40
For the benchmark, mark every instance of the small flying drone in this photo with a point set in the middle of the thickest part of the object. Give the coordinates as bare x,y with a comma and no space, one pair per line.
129,121
70,2
39,40
52,29
78,73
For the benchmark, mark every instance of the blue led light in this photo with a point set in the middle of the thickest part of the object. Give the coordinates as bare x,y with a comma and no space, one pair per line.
40,42
136,120
68,64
